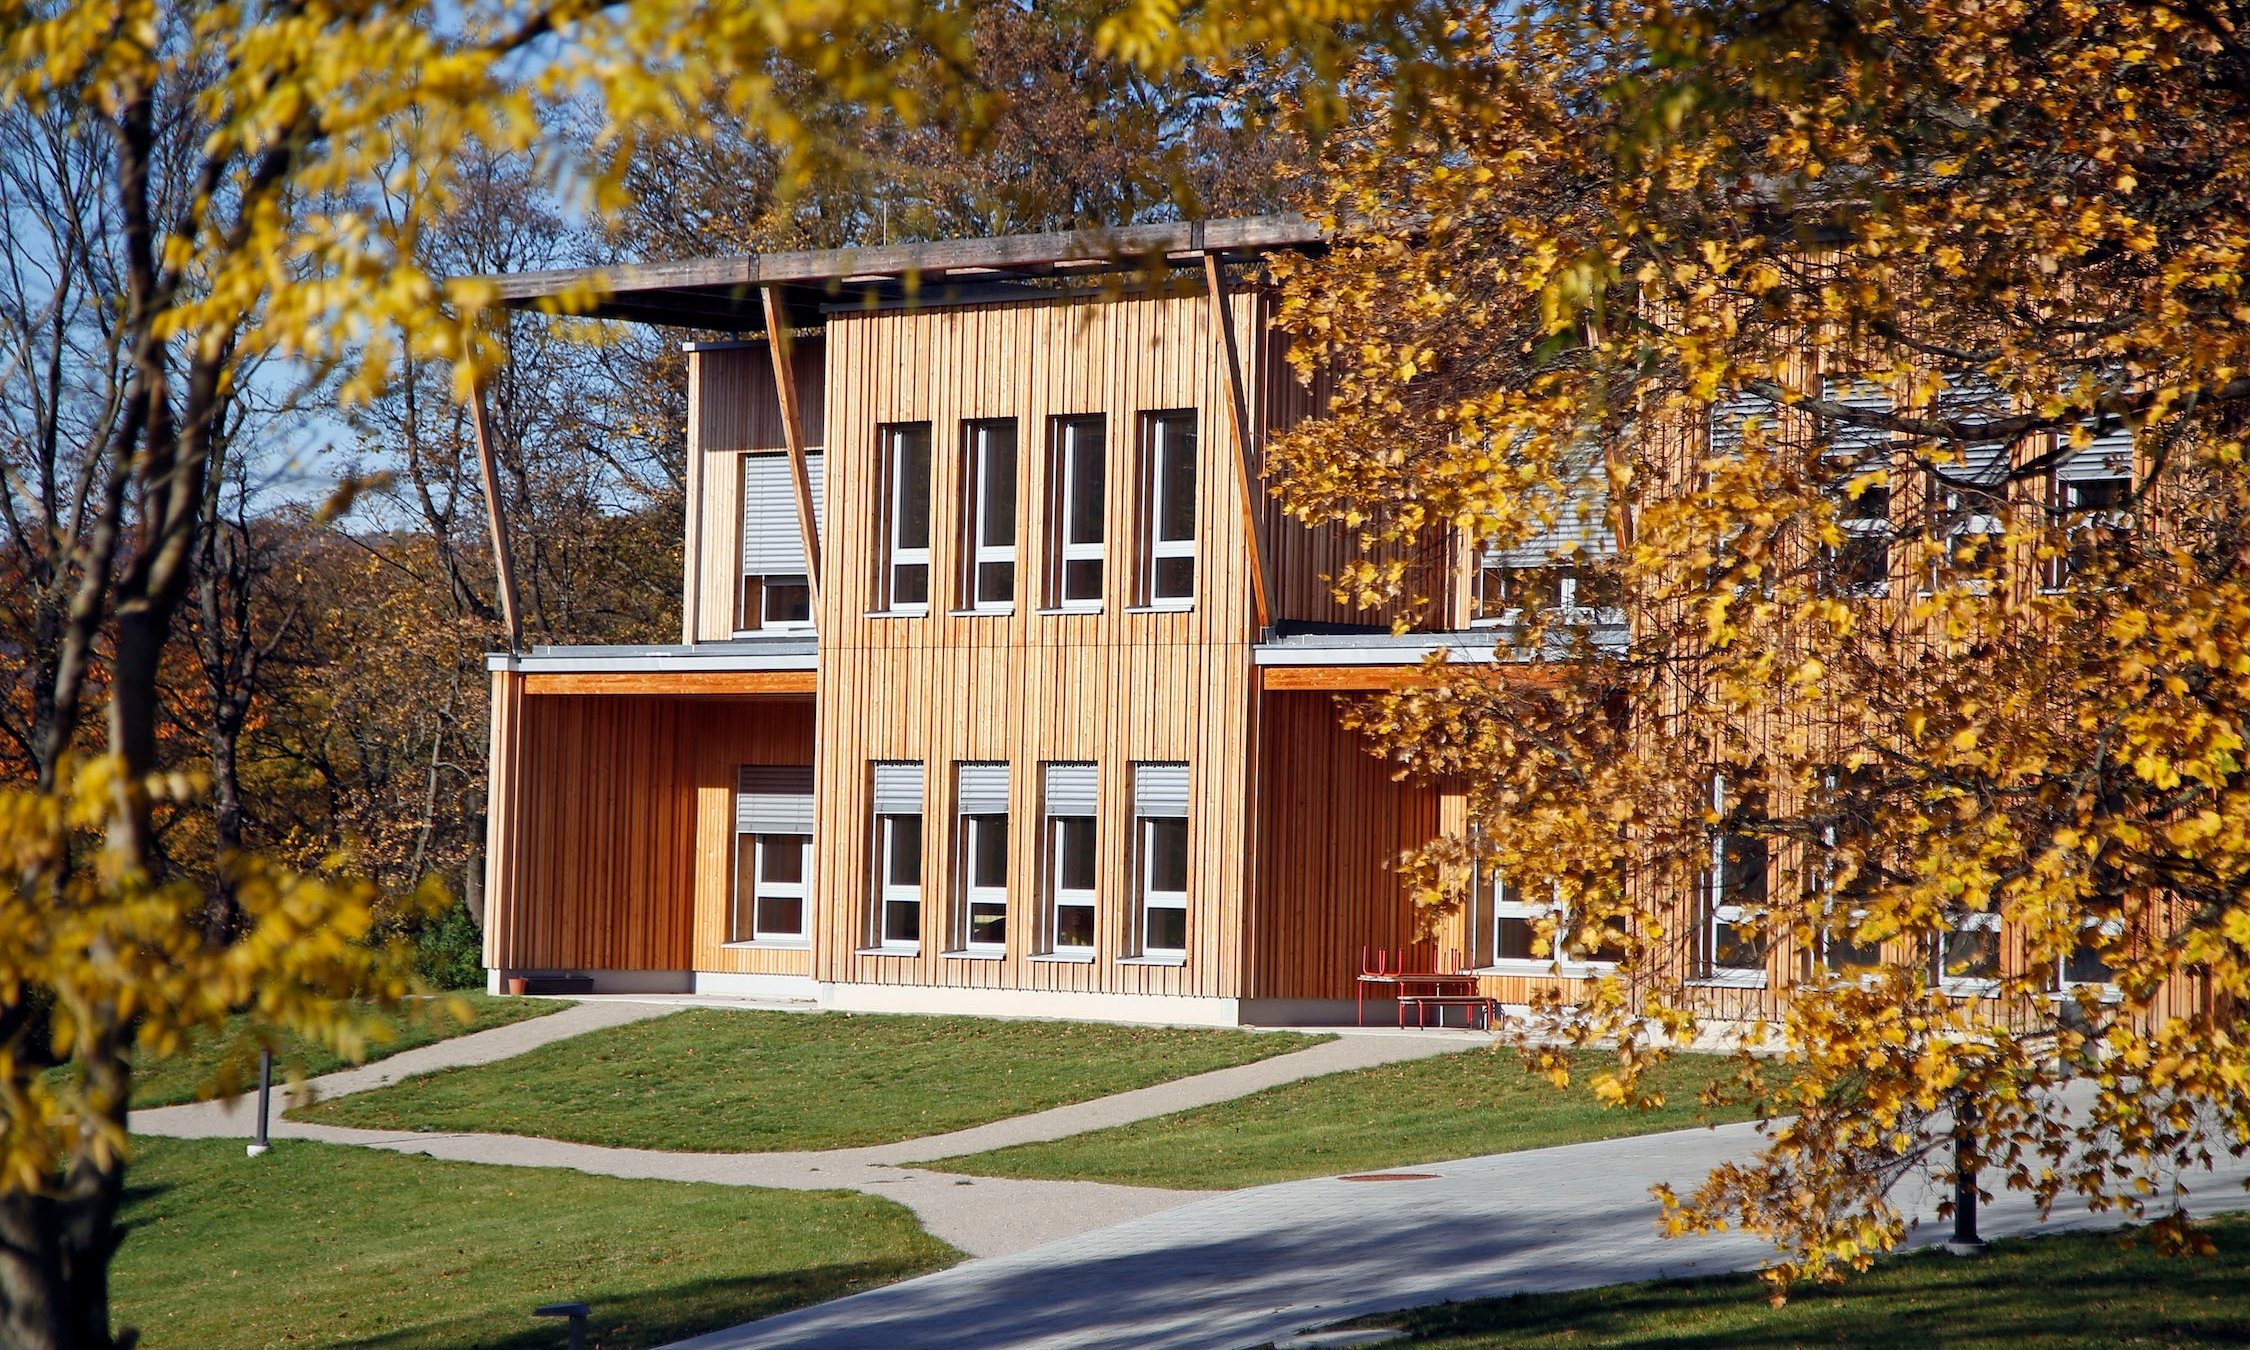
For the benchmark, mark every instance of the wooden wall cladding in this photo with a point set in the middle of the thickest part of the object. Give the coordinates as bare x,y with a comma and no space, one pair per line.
732,411
1025,687
1330,827
615,826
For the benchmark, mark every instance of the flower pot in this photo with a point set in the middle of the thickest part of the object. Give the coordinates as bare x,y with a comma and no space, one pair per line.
518,985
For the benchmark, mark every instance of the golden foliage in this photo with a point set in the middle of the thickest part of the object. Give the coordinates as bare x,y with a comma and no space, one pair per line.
1756,285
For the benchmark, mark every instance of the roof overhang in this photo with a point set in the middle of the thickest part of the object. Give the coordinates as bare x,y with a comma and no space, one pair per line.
721,669
723,294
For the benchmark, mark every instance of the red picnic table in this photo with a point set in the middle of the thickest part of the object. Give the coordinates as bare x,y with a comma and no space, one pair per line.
1424,988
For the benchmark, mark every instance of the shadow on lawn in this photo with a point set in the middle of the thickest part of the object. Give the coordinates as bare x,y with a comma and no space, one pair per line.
644,1317
2100,1294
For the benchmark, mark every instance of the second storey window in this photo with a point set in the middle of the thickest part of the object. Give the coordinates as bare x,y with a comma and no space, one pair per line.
1077,528
904,583
898,855
982,800
776,586
773,823
1072,899
1160,811
988,516
1168,509
2093,498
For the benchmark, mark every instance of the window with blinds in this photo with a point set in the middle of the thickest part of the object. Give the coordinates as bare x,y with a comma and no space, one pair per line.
776,591
1856,458
981,802
897,884
1160,810
1073,900
773,822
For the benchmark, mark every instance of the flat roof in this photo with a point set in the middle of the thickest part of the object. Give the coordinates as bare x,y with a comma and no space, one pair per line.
722,294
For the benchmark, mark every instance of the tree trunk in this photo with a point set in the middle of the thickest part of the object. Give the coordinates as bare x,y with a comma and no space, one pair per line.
55,1245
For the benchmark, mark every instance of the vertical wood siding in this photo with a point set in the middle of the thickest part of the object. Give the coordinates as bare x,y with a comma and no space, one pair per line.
615,849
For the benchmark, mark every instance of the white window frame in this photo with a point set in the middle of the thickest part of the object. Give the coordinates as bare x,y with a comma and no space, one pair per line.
767,623
1155,483
762,889
888,892
1832,838
896,554
974,895
1061,897
1560,959
1075,436
2059,567
1718,911
1967,986
977,481
1151,899
2108,991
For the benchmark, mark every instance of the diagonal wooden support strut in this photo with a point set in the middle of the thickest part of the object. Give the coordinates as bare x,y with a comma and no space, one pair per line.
1246,477
793,431
503,557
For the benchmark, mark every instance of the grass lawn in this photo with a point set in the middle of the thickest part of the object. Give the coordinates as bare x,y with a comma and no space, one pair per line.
1458,1105
2075,1289
317,1244
718,1081
194,1072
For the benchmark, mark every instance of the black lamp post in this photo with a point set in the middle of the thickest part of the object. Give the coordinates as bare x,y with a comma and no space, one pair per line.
265,1102
1965,1241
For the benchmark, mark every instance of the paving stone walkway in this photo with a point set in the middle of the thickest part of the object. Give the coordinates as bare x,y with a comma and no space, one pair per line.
1248,1267
983,1216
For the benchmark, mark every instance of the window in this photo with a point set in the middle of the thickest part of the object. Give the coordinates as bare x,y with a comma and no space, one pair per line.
988,517
1848,829
2093,497
1515,934
904,584
898,855
776,589
2087,963
1967,960
773,821
1857,461
1160,797
1077,528
1732,894
1579,590
1072,901
1968,498
981,801
1168,509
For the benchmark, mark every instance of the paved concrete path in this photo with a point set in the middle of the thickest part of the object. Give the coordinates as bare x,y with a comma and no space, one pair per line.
1247,1267
983,1216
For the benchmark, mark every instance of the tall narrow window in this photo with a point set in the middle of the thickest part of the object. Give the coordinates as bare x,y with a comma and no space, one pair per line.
988,516
1160,802
1968,498
904,583
1733,894
776,589
2093,497
773,822
981,799
1168,509
1857,459
898,855
1077,530
1849,874
1072,897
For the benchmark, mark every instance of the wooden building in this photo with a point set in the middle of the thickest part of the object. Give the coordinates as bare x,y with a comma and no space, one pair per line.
1004,686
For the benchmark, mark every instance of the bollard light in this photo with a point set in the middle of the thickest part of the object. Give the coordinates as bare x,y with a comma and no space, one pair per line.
265,1103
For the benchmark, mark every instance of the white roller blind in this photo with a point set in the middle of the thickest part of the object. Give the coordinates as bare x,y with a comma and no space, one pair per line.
1160,790
1973,398
983,790
2110,456
771,544
898,787
1849,440
774,799
1071,790
1730,415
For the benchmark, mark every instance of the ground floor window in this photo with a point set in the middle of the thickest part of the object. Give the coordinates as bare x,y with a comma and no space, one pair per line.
1967,957
1160,797
1731,895
773,824
1072,859
897,879
769,887
981,799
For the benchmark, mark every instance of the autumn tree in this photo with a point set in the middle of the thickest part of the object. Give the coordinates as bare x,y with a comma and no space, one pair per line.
1883,366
